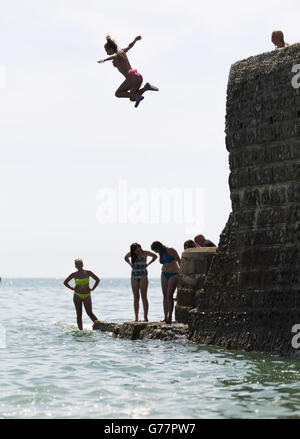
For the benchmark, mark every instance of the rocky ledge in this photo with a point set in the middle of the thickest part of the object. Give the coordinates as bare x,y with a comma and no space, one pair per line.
140,330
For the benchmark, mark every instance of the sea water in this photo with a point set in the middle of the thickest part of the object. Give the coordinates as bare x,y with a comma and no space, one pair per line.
50,369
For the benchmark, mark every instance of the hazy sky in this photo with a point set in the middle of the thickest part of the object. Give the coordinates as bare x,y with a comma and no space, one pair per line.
74,156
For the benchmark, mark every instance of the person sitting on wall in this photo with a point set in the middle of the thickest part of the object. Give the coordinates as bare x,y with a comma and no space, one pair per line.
189,244
278,39
200,241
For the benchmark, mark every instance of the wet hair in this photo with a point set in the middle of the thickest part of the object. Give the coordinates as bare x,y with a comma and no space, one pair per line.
278,34
158,247
189,244
133,247
110,44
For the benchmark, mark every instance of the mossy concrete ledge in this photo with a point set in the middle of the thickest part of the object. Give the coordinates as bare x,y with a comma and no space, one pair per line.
141,330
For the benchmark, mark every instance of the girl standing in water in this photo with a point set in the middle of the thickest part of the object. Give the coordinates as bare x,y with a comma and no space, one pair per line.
130,88
169,259
82,291
139,277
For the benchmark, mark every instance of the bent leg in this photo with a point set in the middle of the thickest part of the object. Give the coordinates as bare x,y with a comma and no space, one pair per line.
127,89
78,306
144,288
88,308
123,90
147,87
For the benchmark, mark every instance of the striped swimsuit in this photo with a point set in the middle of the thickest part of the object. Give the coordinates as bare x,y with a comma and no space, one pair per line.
139,269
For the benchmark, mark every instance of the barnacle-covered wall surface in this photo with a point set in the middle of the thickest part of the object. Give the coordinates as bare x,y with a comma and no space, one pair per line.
249,297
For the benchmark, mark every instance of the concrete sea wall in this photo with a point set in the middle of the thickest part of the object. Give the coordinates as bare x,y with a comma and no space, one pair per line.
195,264
249,297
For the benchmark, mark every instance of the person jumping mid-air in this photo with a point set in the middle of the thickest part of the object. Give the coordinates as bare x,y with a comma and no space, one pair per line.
130,88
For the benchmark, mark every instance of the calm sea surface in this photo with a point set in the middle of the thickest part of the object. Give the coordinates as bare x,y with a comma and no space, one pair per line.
49,369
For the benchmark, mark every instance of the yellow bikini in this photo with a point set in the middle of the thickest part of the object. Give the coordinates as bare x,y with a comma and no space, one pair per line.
82,282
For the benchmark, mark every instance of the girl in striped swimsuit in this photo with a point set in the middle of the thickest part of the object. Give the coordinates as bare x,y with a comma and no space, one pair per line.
137,259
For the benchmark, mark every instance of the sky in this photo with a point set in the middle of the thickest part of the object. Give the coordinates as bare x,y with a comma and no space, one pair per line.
85,174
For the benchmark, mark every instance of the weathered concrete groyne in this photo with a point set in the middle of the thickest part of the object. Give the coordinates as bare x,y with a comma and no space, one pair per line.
195,264
250,297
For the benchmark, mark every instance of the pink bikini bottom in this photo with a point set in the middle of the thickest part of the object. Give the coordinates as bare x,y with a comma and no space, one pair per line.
136,74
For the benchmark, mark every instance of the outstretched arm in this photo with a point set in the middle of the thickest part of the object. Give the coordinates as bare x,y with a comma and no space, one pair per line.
132,44
110,58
